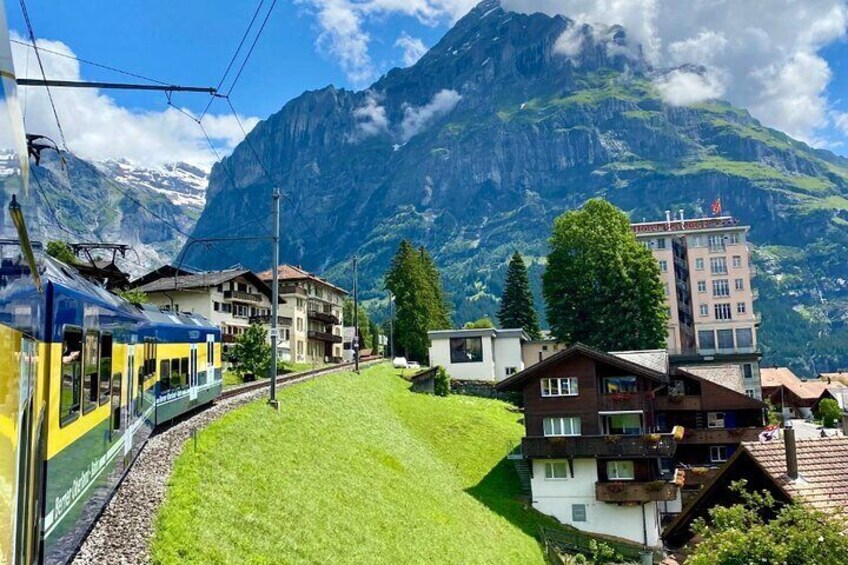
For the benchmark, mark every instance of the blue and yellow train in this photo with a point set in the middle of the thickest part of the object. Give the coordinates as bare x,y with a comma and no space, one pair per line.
85,376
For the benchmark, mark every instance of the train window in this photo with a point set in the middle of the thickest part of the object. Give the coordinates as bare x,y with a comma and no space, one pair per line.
184,370
91,370
116,402
210,352
69,399
164,375
176,378
105,366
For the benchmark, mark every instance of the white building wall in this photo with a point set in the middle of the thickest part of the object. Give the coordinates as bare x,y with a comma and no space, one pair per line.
507,354
555,497
483,371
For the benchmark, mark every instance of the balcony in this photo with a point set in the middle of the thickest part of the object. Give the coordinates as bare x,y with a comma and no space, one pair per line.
292,289
266,320
325,317
678,402
242,296
649,445
629,491
720,435
620,401
324,336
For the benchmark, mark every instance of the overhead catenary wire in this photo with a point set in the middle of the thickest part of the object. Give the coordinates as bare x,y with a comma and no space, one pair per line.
252,47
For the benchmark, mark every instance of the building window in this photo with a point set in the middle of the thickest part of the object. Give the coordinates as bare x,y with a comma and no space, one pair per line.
216,306
299,324
511,370
69,396
696,241
718,265
702,286
715,242
562,386
721,288
725,339
718,453
706,339
661,243
466,350
620,384
620,471
91,371
737,261
699,264
705,310
624,424
734,239
569,426
715,419
749,392
556,470
578,512
722,311
740,284
745,338
740,307
665,288
663,265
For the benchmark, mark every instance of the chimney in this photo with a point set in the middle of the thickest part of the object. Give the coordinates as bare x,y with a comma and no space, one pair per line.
791,452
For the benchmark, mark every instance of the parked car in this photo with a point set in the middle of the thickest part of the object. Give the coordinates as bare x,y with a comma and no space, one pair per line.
399,363
413,365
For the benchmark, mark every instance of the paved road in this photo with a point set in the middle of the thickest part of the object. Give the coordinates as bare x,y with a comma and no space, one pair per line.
808,430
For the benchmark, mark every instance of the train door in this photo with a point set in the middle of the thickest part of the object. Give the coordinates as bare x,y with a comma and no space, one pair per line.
128,419
30,454
192,373
210,358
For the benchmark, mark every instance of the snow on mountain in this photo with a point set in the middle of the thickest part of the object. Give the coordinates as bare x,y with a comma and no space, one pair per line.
183,184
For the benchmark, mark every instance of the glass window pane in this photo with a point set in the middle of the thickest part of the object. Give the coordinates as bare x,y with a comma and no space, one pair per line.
629,424
69,399
706,339
725,339
105,366
91,371
744,337
620,384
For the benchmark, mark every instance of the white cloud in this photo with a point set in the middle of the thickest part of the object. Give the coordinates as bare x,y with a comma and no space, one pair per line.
682,88
763,55
413,48
417,118
343,35
570,43
97,128
370,118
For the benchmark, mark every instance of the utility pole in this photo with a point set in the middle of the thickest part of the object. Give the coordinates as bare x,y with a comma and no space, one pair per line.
391,326
355,315
275,300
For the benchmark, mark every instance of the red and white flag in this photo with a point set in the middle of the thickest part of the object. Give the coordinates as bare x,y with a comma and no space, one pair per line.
716,206
770,433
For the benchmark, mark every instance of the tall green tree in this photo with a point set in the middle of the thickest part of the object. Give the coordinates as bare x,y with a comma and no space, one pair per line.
517,308
601,286
420,304
251,353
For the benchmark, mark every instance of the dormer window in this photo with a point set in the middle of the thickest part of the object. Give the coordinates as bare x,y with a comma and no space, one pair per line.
559,386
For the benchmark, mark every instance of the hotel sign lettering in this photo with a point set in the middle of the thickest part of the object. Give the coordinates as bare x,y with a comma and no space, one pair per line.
682,225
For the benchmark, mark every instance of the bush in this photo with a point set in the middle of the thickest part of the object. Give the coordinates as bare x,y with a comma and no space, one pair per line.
829,412
251,353
442,383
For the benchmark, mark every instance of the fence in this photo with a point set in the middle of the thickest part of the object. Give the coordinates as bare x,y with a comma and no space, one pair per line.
573,541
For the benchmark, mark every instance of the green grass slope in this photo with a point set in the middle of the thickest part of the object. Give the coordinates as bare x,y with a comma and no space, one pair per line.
353,469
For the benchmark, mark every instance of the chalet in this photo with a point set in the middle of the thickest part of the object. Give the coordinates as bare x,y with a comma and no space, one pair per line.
809,471
798,398
485,354
596,458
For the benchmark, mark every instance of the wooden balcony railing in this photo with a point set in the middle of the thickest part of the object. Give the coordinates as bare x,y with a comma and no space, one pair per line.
648,445
292,289
242,296
616,401
266,319
678,402
324,336
325,317
629,491
720,435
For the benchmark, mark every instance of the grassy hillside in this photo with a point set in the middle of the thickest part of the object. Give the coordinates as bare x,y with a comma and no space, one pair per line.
354,469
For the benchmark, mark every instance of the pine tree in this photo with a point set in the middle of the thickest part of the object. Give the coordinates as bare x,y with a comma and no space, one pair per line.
601,287
517,309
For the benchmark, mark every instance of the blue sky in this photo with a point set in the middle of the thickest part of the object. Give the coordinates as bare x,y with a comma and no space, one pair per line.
791,70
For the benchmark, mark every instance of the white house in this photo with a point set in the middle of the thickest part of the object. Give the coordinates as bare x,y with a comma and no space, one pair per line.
478,354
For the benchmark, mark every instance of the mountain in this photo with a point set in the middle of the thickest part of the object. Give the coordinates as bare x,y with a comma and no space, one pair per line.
500,127
114,202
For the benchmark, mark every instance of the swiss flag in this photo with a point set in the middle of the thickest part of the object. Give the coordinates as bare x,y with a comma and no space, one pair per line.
716,206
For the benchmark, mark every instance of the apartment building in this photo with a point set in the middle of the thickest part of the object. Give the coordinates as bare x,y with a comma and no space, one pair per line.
310,321
706,272
484,354
229,298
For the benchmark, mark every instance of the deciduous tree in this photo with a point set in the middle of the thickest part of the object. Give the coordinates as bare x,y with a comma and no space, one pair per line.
251,353
602,287
517,308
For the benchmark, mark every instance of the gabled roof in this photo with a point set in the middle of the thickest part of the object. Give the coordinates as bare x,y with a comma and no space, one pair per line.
291,273
156,274
656,359
742,400
516,380
728,376
204,280
782,376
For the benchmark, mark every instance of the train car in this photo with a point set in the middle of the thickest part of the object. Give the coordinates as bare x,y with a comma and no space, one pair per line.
84,375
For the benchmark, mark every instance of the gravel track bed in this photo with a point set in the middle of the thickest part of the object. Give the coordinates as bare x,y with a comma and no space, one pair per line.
123,533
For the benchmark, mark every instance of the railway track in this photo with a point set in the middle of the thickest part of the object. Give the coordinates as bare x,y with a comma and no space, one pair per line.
123,531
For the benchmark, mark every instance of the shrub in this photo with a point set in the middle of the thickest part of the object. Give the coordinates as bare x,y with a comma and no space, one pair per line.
442,383
251,353
829,412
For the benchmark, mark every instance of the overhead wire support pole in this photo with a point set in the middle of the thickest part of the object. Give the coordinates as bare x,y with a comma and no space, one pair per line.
114,85
355,314
275,299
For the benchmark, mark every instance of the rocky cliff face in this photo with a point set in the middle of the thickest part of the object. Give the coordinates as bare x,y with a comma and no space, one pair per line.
499,128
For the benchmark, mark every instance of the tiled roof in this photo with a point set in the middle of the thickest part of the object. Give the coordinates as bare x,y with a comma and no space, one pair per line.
728,376
822,482
200,280
654,359
840,377
292,273
782,376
